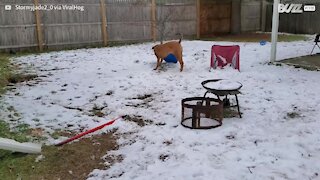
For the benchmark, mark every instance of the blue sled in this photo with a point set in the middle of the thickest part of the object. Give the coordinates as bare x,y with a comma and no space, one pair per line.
171,59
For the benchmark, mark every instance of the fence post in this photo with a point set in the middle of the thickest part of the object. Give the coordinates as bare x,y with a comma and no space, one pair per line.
38,26
235,16
153,20
198,18
263,15
103,22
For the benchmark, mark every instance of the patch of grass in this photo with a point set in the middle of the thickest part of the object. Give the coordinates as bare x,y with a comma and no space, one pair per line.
20,135
138,120
16,78
290,37
7,75
58,133
254,37
230,113
97,111
5,71
71,161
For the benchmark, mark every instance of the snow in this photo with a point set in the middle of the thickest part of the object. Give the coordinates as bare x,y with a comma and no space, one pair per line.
223,84
264,144
224,60
204,122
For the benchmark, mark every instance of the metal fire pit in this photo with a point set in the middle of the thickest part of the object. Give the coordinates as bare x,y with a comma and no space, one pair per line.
224,92
201,112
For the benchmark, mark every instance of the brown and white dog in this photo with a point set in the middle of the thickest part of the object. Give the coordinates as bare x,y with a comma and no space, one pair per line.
163,50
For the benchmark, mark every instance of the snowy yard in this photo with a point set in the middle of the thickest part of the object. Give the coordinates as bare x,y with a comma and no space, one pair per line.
278,136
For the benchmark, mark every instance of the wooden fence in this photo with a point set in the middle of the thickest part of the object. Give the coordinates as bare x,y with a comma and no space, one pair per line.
99,22
215,17
303,23
251,15
92,22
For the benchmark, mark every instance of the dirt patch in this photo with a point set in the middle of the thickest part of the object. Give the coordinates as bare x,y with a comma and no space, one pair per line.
231,136
160,124
97,111
164,157
293,115
71,161
65,133
142,97
167,142
144,101
310,62
17,78
138,120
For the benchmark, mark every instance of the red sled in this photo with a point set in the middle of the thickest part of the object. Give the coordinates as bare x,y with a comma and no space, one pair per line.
223,55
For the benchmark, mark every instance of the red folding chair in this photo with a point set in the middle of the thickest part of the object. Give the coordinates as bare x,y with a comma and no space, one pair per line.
223,55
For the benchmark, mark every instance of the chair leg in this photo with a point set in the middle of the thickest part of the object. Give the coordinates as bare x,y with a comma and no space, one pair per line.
313,49
205,94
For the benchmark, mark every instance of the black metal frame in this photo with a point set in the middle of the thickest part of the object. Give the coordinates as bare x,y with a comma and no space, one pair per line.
225,93
203,106
316,40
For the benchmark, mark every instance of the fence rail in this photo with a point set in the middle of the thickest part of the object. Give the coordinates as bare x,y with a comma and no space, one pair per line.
100,22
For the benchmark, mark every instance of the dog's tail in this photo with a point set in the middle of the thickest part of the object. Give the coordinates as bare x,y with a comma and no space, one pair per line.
181,37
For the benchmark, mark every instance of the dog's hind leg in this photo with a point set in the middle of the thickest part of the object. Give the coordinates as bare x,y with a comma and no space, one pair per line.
179,57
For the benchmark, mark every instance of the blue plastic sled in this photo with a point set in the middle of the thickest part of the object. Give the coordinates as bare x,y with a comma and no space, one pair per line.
171,59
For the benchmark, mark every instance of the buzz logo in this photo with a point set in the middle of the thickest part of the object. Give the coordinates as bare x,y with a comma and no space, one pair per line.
290,8
295,8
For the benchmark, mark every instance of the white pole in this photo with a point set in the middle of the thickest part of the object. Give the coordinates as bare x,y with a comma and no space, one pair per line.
274,35
12,145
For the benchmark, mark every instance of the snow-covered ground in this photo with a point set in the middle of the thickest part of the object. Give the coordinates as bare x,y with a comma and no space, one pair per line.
278,136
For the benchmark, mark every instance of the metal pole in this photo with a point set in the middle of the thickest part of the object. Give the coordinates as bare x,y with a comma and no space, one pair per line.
274,35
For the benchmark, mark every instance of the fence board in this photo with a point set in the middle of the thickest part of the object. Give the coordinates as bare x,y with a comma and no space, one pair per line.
215,17
250,15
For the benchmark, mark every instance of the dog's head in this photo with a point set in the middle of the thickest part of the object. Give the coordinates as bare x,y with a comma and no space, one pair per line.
154,47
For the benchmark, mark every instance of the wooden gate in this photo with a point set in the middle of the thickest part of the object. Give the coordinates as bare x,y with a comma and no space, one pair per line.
215,17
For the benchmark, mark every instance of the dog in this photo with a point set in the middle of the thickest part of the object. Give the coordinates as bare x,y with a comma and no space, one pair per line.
162,51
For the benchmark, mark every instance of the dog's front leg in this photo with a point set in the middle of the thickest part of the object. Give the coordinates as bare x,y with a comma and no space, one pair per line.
158,64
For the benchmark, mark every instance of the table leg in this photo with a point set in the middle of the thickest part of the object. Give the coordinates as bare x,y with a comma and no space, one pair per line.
238,106
194,119
205,94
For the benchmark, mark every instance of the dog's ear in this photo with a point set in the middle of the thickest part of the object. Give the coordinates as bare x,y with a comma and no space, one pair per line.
154,46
